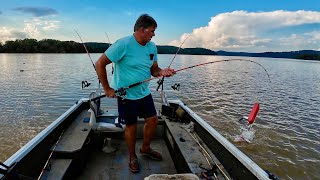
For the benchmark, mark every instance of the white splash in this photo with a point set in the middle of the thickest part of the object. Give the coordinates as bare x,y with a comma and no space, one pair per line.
247,132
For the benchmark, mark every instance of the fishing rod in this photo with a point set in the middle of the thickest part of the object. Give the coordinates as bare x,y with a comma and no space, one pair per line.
122,91
50,155
160,82
112,69
89,57
225,60
86,51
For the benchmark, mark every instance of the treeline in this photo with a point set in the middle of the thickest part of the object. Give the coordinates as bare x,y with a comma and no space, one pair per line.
191,51
309,56
302,54
56,46
49,46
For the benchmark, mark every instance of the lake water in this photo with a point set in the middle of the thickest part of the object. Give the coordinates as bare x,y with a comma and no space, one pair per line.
287,127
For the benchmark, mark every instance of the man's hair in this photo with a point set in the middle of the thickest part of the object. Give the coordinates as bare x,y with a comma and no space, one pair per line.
144,21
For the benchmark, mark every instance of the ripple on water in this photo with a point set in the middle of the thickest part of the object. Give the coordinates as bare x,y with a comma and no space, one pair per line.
287,126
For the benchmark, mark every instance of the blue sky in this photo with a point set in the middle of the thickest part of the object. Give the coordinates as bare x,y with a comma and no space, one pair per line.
231,25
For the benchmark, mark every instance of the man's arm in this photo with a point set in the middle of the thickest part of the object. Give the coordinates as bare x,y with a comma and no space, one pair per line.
156,71
102,75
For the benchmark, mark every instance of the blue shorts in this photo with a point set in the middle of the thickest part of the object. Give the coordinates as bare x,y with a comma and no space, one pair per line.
130,110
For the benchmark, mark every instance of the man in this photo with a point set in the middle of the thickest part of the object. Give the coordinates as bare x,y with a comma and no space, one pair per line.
135,59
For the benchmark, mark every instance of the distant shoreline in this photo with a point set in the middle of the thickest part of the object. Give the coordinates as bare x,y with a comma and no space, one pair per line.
56,46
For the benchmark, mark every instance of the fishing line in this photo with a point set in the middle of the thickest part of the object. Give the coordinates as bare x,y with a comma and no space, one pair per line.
256,106
225,60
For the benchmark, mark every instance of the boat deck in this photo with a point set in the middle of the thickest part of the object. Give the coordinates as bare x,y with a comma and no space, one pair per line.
71,149
101,165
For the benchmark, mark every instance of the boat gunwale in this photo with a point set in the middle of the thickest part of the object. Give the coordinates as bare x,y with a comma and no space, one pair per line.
23,151
244,159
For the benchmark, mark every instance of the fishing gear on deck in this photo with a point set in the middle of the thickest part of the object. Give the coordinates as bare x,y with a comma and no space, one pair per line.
47,165
214,167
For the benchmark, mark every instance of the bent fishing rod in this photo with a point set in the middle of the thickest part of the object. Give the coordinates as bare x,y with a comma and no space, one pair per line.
89,57
86,50
112,69
225,60
160,82
122,91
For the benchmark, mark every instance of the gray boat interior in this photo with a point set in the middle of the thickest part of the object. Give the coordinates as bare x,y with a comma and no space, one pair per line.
79,152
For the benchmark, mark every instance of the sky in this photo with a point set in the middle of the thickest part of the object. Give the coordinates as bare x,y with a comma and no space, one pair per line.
229,25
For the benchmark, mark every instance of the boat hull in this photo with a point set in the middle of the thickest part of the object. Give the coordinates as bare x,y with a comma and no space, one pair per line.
195,151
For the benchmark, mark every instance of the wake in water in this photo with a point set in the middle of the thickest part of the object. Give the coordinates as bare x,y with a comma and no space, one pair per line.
247,133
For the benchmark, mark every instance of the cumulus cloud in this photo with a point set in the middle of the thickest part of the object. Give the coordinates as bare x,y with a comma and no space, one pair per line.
248,31
37,11
36,28
8,34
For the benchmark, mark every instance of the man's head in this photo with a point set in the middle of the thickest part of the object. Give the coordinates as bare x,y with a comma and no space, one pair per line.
146,26
145,21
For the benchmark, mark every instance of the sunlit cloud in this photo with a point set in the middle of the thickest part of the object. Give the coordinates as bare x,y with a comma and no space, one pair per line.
8,34
37,26
37,11
247,31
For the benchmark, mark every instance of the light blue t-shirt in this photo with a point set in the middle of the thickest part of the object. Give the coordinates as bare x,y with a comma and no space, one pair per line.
132,63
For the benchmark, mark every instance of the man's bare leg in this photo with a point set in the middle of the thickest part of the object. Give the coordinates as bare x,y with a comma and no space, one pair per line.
148,132
130,136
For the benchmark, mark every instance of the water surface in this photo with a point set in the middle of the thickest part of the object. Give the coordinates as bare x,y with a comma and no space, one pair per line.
38,88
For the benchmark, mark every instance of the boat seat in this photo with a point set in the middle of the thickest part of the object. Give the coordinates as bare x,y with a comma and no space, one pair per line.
103,122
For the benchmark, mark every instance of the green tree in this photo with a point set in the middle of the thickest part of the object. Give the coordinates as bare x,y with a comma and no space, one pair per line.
308,56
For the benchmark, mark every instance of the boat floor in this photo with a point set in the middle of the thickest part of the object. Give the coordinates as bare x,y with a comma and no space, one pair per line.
101,165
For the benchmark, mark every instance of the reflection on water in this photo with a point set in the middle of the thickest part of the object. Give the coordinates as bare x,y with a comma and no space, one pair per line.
287,127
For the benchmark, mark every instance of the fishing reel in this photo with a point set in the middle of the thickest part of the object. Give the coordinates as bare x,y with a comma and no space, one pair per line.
122,92
160,83
85,84
176,86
